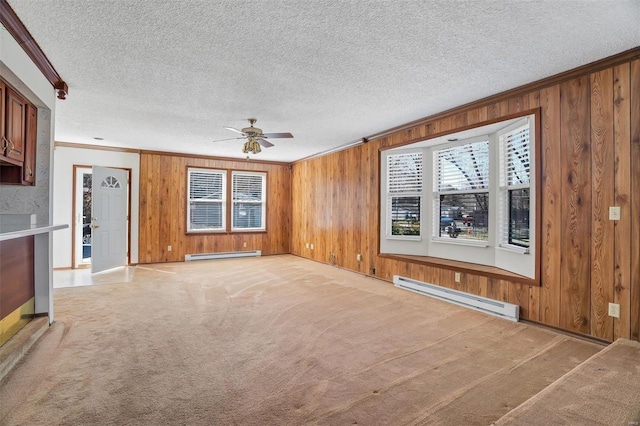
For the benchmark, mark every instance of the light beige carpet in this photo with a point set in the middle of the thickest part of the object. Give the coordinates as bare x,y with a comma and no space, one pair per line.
604,390
275,340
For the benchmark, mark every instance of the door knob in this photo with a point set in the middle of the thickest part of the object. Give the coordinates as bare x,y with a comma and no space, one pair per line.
95,226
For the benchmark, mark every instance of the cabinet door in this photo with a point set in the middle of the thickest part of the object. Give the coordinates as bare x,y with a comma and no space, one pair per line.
31,141
3,116
14,126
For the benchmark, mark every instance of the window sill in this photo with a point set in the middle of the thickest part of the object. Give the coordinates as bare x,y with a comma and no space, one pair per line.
225,232
514,249
466,267
404,238
461,242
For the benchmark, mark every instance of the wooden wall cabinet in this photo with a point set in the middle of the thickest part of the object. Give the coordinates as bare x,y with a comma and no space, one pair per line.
18,138
31,129
14,127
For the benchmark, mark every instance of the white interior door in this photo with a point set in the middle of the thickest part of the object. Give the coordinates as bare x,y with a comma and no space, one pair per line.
108,218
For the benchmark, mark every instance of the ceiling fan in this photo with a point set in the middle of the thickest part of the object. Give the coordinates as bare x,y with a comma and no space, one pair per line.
255,137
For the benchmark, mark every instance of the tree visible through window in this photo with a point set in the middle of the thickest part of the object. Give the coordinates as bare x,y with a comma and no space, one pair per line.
462,191
515,147
475,196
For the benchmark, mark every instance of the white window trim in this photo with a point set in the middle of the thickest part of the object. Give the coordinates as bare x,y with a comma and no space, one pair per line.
435,227
263,202
223,173
504,188
399,244
493,252
387,198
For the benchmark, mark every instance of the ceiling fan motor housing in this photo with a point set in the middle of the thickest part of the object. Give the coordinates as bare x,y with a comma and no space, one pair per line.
252,131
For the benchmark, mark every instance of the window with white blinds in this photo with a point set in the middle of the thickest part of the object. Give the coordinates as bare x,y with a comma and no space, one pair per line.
473,202
404,193
249,201
206,206
515,181
461,190
463,167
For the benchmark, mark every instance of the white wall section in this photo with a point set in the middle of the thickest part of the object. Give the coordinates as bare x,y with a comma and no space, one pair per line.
65,158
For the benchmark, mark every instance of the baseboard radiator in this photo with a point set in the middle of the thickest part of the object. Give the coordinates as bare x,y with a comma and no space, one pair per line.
483,304
224,255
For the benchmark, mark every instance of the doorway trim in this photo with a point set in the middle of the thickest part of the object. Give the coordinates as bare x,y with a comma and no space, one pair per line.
74,221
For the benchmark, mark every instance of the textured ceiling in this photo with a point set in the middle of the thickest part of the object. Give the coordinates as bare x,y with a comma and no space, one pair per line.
169,75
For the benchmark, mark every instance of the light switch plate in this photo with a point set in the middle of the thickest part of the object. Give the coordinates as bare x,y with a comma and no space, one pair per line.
614,213
614,310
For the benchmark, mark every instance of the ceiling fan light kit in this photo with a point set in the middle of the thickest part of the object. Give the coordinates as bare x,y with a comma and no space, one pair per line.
255,137
251,146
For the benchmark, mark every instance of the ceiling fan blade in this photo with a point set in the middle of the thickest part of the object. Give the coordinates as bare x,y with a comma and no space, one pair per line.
234,130
278,135
265,143
230,139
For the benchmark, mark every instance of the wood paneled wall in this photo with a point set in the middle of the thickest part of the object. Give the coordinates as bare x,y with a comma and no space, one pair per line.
590,161
163,204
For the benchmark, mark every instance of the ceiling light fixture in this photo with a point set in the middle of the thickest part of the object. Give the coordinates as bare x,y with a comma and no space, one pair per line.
251,146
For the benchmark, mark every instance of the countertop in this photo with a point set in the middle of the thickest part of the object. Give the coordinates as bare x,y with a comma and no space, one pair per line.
11,231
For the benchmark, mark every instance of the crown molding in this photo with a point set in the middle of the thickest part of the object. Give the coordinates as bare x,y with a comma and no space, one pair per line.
59,144
19,32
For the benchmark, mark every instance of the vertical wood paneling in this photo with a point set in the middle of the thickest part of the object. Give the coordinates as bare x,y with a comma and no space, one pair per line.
163,200
519,295
551,206
590,144
602,196
473,284
635,202
498,289
622,228
576,205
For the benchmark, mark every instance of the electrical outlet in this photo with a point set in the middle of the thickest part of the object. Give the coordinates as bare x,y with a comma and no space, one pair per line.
457,277
359,257
311,246
244,244
306,245
614,310
614,213
169,248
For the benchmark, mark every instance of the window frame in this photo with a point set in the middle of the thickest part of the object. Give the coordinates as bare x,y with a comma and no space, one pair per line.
390,195
495,257
505,188
262,202
227,202
222,201
437,224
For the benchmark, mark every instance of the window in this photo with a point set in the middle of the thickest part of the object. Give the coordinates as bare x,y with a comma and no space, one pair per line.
206,206
461,190
208,209
404,187
249,201
476,203
515,174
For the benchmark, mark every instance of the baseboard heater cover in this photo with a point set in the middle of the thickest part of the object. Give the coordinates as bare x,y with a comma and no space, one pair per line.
223,255
483,304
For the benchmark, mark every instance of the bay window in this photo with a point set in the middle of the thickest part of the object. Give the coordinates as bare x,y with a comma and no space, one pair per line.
477,202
